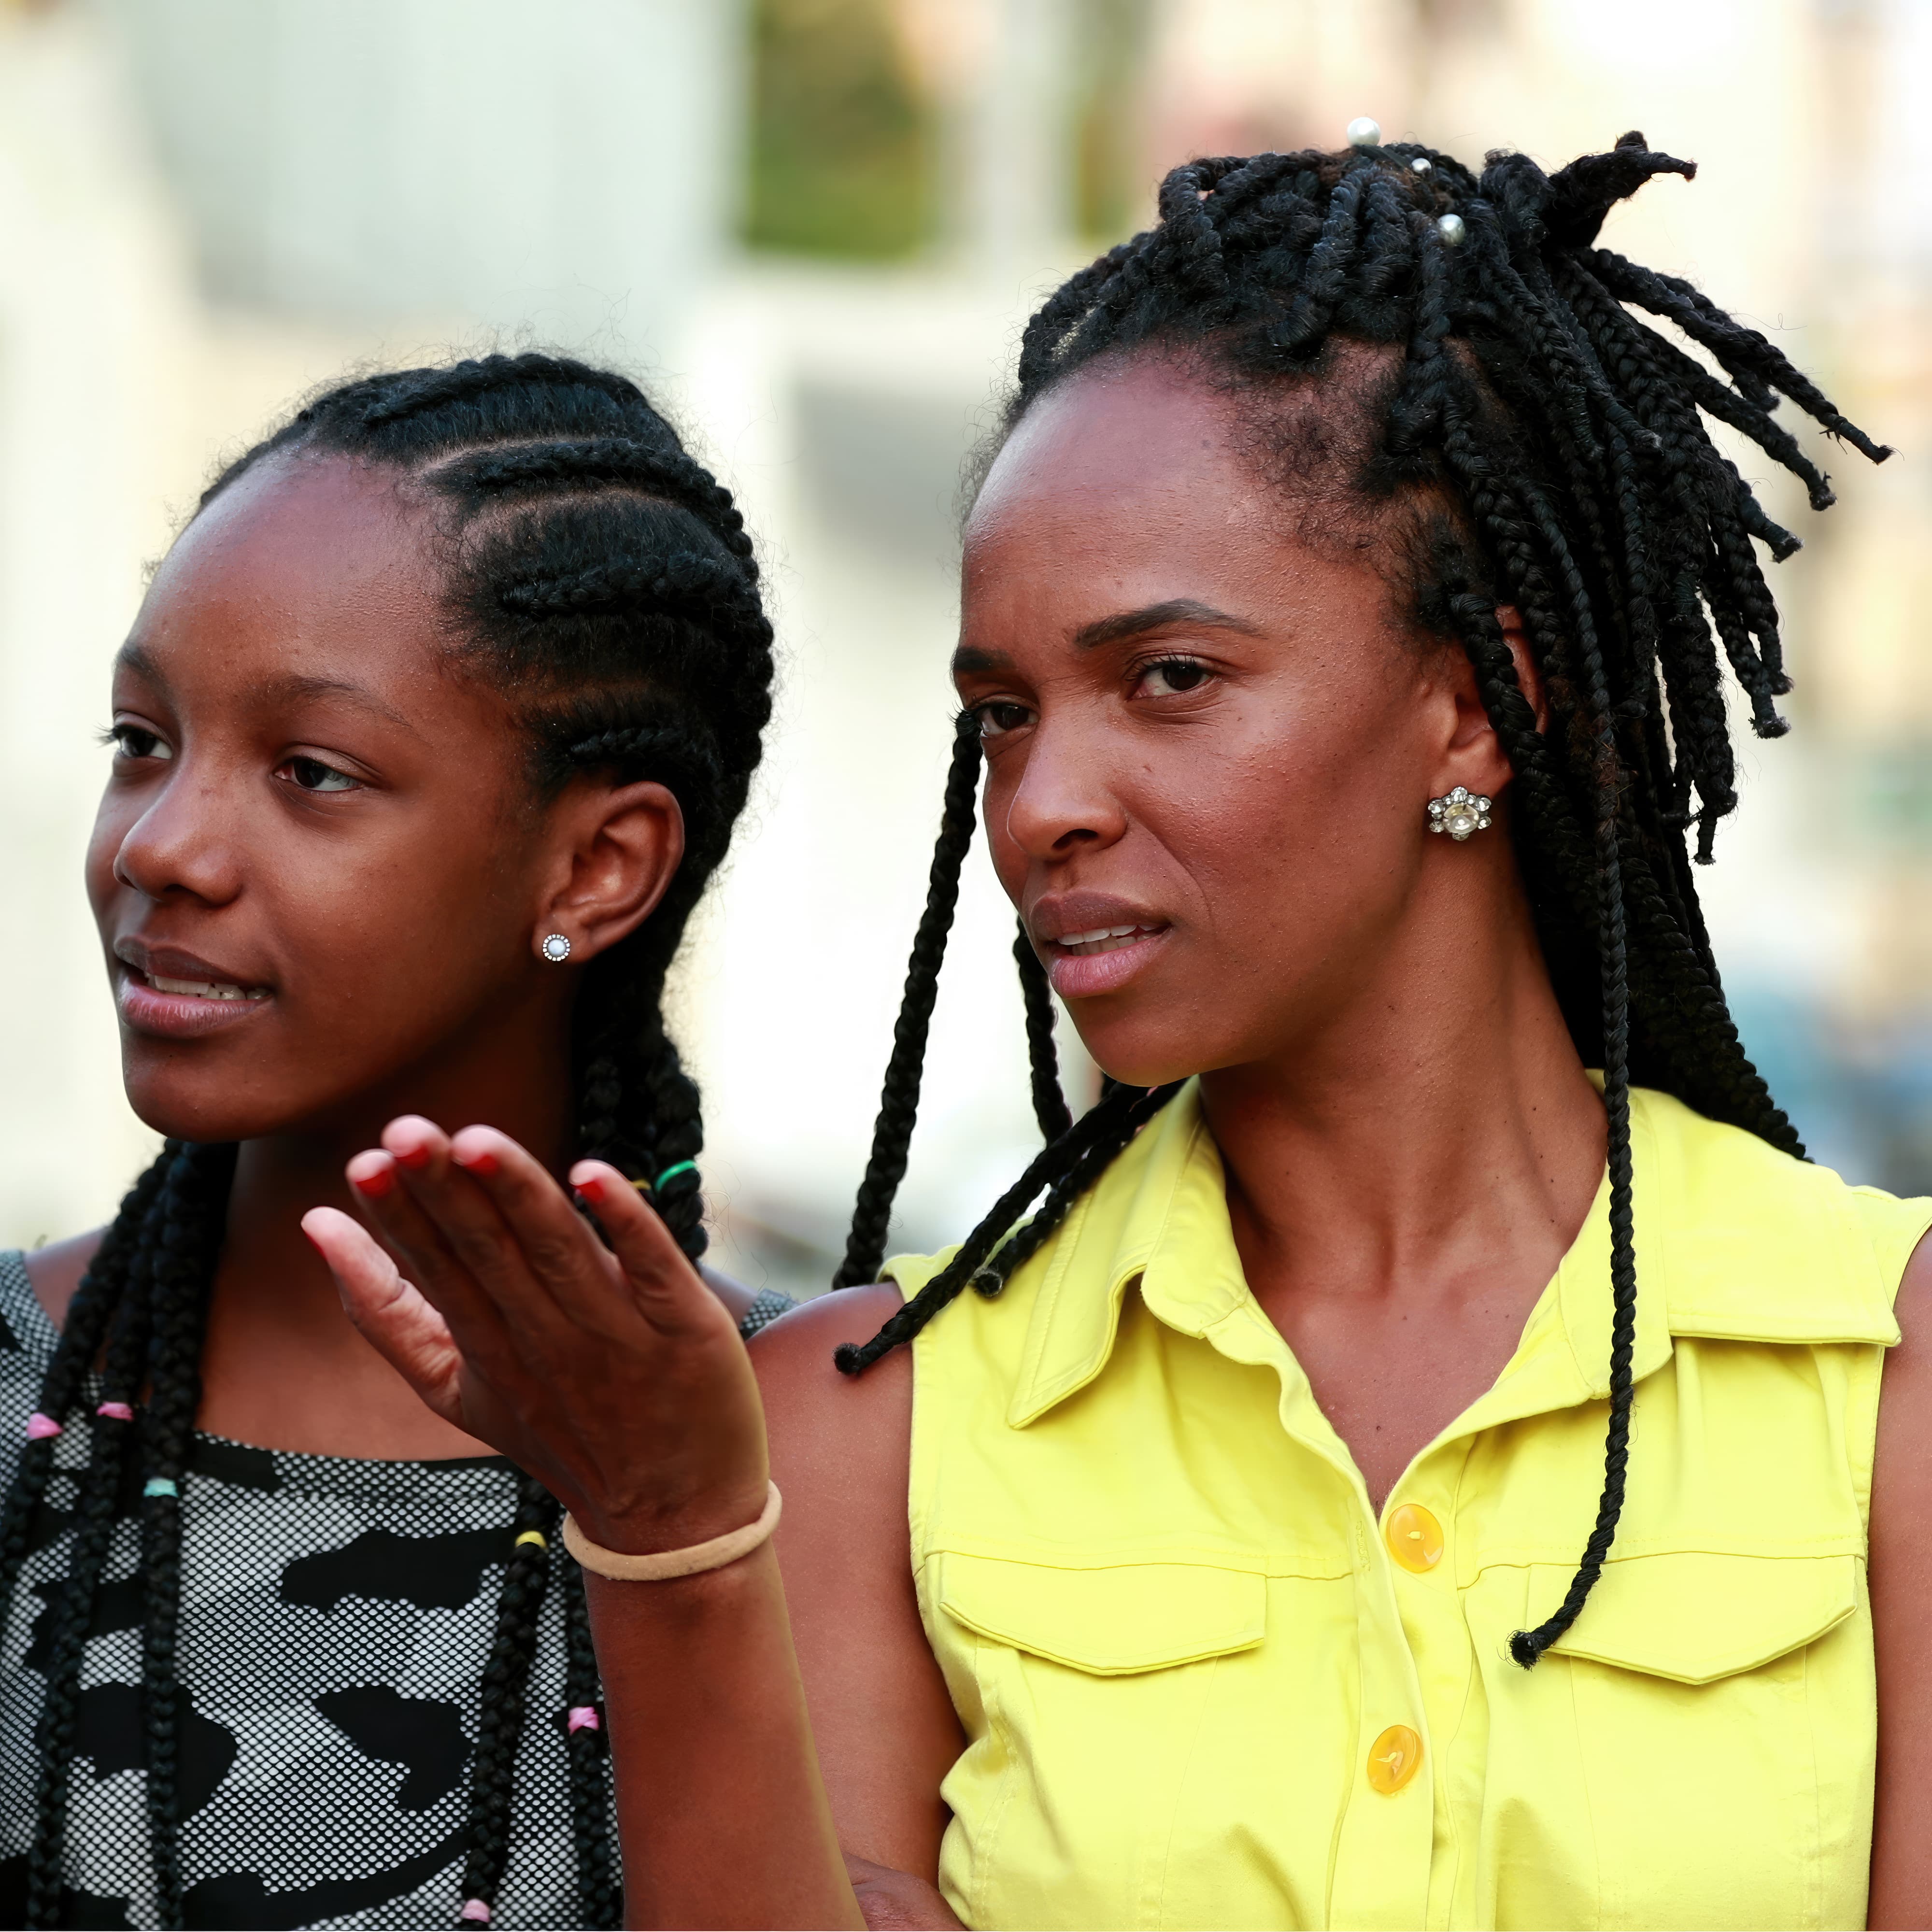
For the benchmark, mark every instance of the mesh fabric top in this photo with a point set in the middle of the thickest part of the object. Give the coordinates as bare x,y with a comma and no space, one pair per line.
336,1614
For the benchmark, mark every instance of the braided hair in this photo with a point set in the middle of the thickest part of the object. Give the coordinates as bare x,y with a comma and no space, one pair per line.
1513,430
604,579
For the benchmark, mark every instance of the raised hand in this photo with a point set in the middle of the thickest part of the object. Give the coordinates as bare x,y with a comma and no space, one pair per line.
612,1374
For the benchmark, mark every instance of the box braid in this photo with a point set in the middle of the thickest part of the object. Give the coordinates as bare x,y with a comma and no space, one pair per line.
1519,434
604,579
898,1099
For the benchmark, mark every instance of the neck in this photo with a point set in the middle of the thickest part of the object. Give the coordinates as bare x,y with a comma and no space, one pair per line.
284,1368
1437,1120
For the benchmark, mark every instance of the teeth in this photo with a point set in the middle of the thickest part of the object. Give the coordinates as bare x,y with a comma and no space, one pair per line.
206,989
1104,939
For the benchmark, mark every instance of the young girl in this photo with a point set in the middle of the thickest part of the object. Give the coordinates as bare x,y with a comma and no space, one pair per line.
1421,1463
433,726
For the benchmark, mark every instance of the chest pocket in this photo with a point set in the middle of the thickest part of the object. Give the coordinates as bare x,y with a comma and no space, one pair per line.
1693,1616
1111,1620
1698,1684
1127,1723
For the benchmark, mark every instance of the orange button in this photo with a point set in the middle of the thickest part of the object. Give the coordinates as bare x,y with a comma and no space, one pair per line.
1392,1759
1414,1538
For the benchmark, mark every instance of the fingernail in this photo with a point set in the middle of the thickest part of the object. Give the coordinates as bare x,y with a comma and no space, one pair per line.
418,1156
482,1164
591,1189
375,1185
315,1244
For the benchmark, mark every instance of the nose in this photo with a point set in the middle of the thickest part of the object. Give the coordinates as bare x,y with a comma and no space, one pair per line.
1064,802
181,844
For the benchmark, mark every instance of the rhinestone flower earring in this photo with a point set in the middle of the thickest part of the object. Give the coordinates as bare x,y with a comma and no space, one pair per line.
557,945
1459,813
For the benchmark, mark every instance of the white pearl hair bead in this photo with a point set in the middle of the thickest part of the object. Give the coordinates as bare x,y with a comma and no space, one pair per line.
1451,229
1363,133
1422,165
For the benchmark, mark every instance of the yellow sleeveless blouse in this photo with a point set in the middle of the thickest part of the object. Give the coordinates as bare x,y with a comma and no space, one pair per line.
1203,1684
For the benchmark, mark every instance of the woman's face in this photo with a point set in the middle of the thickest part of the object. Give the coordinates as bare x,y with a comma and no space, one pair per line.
1210,744
315,864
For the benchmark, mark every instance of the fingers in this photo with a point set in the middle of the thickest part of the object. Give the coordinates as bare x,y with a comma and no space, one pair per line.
386,1191
391,1314
667,1289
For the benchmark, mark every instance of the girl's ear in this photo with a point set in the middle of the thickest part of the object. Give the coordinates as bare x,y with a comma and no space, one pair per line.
616,851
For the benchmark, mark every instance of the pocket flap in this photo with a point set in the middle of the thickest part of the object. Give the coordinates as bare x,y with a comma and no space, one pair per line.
1112,1620
1693,1616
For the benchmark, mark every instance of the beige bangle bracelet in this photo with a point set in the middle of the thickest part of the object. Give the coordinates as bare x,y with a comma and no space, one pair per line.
659,1566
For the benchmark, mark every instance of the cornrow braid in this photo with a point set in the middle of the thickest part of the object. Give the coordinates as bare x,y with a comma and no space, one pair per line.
1518,435
506,1674
603,580
598,1886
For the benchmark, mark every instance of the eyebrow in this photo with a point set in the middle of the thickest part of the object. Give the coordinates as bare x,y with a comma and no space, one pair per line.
291,689
1178,611
970,659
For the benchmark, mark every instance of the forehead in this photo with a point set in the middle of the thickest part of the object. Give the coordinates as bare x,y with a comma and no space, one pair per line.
1120,442
304,553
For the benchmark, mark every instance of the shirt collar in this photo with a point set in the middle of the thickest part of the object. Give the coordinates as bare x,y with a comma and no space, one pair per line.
1713,1260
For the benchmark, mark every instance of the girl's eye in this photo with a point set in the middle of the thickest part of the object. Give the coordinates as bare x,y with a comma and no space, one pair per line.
1000,716
134,741
1170,677
312,775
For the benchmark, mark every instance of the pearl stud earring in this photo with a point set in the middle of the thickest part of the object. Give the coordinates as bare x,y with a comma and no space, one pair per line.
556,947
1459,813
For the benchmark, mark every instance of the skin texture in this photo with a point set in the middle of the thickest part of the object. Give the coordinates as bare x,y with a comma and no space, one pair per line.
1204,727
306,799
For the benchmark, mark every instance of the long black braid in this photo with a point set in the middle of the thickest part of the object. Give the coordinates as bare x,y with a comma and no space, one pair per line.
604,579
1517,433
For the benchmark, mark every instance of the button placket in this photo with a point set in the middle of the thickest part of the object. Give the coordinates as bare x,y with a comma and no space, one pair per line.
1414,1538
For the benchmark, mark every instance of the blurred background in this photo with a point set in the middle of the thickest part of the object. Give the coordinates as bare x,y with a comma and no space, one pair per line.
813,229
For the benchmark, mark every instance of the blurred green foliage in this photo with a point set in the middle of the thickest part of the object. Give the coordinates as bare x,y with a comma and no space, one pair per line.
842,159
1110,197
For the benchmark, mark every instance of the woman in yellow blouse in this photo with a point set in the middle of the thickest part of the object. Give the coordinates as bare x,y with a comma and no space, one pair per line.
1420,1461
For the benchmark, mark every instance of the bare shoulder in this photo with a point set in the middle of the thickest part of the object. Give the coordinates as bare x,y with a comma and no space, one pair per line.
56,1269
794,1360
1901,1600
841,1448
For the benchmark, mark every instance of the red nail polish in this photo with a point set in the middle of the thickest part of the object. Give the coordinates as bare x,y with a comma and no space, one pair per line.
375,1185
412,1157
592,1190
315,1244
481,1164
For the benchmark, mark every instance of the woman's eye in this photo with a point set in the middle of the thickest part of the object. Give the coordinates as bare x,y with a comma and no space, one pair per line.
312,775
1001,716
132,741
1170,677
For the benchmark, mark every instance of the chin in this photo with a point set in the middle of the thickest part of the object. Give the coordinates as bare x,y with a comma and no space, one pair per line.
188,1103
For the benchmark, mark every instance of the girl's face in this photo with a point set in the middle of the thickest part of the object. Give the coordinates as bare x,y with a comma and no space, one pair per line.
1210,744
316,868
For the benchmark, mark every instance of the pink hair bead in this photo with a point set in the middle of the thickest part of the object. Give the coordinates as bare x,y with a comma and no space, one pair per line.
474,1912
119,1411
584,1717
40,1427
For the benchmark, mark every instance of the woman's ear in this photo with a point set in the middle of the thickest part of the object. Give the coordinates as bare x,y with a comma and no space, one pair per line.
616,852
1529,673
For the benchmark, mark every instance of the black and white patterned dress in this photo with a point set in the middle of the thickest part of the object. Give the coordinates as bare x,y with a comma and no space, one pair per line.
335,1617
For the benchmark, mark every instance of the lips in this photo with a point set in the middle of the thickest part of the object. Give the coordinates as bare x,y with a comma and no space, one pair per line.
172,994
1094,943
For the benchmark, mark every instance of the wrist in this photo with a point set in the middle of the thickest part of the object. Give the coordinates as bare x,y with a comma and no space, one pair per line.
661,1565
